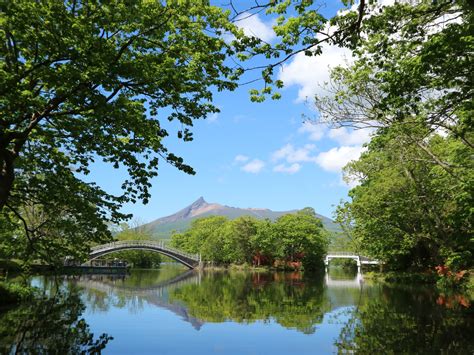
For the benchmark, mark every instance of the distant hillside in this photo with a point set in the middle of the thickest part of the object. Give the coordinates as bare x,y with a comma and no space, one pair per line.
181,220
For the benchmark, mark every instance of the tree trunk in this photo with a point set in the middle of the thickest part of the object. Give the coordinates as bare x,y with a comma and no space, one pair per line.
7,176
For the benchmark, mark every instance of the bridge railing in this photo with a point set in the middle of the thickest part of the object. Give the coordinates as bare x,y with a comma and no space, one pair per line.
341,253
144,243
350,254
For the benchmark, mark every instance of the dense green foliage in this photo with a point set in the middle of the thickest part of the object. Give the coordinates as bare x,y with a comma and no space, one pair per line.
412,83
292,238
82,81
408,210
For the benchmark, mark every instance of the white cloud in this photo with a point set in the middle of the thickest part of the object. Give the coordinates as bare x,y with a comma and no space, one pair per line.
282,153
316,131
336,158
212,118
310,73
254,167
241,158
289,169
253,26
293,155
354,137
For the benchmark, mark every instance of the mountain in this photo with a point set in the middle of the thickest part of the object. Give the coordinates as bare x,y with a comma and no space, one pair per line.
181,220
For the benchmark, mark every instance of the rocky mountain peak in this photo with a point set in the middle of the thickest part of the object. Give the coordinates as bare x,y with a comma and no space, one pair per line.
198,203
193,209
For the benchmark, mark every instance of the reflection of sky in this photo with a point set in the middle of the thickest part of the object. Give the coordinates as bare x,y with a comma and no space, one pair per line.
37,282
157,327
158,331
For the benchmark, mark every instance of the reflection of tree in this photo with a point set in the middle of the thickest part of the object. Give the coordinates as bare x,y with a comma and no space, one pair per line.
97,300
244,297
407,321
49,325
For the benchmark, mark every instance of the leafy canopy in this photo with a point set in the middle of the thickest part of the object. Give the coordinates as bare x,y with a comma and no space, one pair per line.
411,83
85,81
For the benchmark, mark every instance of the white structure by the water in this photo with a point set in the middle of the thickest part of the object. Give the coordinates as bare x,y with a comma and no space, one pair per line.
360,260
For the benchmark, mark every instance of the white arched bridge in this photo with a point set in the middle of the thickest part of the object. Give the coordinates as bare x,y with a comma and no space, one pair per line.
187,259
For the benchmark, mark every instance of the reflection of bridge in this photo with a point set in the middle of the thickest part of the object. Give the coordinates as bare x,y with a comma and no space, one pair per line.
190,260
186,278
360,260
356,282
156,295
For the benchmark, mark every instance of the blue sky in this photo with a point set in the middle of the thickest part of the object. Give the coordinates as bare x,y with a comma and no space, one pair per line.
257,154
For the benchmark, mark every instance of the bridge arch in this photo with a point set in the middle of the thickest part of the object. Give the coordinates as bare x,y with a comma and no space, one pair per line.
187,259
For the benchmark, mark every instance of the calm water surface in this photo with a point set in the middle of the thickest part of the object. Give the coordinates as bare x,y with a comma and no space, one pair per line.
171,311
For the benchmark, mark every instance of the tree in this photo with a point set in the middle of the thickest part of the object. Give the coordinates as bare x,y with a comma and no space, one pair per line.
401,70
264,243
301,236
237,236
293,237
412,205
57,216
205,237
407,210
86,80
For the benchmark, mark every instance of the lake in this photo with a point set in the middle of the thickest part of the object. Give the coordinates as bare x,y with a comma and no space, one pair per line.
175,311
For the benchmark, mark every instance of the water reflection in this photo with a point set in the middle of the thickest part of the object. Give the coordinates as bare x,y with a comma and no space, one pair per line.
407,320
49,325
333,280
292,300
101,292
286,298
172,311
